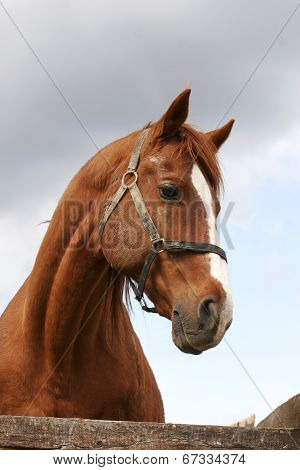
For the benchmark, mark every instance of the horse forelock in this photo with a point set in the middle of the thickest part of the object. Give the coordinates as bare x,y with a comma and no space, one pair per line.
197,146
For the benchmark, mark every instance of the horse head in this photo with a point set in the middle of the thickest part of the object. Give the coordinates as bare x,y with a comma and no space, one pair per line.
176,179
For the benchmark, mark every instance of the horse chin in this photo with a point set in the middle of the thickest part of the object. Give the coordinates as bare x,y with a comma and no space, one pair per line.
183,345
180,339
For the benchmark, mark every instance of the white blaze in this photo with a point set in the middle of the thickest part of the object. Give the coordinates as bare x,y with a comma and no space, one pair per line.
218,266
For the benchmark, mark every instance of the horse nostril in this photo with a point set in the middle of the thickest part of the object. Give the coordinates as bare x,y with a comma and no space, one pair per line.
208,314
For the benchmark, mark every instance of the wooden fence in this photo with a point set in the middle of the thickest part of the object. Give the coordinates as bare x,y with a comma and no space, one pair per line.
21,432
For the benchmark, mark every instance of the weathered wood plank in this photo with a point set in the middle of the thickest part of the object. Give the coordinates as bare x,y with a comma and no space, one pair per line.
21,432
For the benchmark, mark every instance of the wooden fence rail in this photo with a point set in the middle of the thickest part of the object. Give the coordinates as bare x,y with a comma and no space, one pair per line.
21,432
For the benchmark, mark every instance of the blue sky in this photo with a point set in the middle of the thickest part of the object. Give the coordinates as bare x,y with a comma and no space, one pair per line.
120,66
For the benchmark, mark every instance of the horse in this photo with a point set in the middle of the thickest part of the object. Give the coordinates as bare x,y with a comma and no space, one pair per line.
67,344
286,415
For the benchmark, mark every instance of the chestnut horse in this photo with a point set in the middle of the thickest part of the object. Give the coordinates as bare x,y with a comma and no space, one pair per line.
67,345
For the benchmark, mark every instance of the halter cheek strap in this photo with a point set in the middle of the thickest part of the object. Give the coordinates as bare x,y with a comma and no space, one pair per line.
131,170
159,244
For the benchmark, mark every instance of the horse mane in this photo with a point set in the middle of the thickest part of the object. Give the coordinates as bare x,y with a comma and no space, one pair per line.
114,294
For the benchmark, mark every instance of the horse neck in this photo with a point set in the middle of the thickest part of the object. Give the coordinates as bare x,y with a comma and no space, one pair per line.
73,300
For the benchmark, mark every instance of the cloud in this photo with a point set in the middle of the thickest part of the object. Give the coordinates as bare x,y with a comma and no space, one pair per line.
120,64
274,163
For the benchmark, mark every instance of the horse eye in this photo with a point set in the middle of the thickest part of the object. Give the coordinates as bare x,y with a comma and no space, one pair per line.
169,192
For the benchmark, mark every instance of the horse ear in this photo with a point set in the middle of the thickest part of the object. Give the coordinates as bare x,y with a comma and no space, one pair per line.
218,136
176,115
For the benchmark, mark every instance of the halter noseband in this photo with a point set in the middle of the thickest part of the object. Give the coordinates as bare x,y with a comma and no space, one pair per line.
159,244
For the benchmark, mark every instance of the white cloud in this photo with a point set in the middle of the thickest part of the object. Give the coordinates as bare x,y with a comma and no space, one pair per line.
276,163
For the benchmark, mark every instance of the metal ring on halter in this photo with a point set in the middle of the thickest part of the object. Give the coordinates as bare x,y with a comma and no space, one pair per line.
156,243
129,172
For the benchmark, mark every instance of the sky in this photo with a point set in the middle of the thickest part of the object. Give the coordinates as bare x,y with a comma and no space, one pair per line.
91,72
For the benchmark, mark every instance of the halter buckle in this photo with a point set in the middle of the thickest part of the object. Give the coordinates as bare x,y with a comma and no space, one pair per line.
159,245
129,185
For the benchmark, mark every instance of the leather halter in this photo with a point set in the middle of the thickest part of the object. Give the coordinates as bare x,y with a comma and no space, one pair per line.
159,244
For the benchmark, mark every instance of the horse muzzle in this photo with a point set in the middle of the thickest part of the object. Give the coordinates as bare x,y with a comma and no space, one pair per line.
195,335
